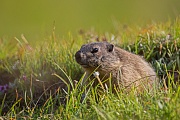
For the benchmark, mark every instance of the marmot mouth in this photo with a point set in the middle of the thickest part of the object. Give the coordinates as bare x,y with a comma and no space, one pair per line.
84,65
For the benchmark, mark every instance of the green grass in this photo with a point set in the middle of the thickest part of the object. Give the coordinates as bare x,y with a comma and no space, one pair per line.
45,81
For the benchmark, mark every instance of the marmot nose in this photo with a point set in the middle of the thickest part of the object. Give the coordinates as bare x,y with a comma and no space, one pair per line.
78,56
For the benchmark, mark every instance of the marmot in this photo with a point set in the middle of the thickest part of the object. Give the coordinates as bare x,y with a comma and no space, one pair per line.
126,69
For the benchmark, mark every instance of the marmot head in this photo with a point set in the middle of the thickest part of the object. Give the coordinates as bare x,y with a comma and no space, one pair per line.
97,54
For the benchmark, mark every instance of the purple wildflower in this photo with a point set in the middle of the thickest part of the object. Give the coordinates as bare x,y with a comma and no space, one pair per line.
1,88
4,88
24,77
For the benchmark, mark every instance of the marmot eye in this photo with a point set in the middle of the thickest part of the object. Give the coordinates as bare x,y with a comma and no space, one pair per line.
94,50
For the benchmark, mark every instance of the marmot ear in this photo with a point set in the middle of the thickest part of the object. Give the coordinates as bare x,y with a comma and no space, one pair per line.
110,47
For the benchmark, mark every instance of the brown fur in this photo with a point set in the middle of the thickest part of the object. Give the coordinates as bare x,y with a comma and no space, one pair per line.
127,69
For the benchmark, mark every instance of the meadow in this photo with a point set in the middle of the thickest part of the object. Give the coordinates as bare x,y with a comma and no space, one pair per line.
41,80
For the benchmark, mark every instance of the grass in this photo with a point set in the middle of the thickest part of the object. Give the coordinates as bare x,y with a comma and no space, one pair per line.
44,81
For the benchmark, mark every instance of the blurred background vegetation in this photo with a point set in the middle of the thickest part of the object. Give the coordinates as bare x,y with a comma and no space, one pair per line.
35,19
